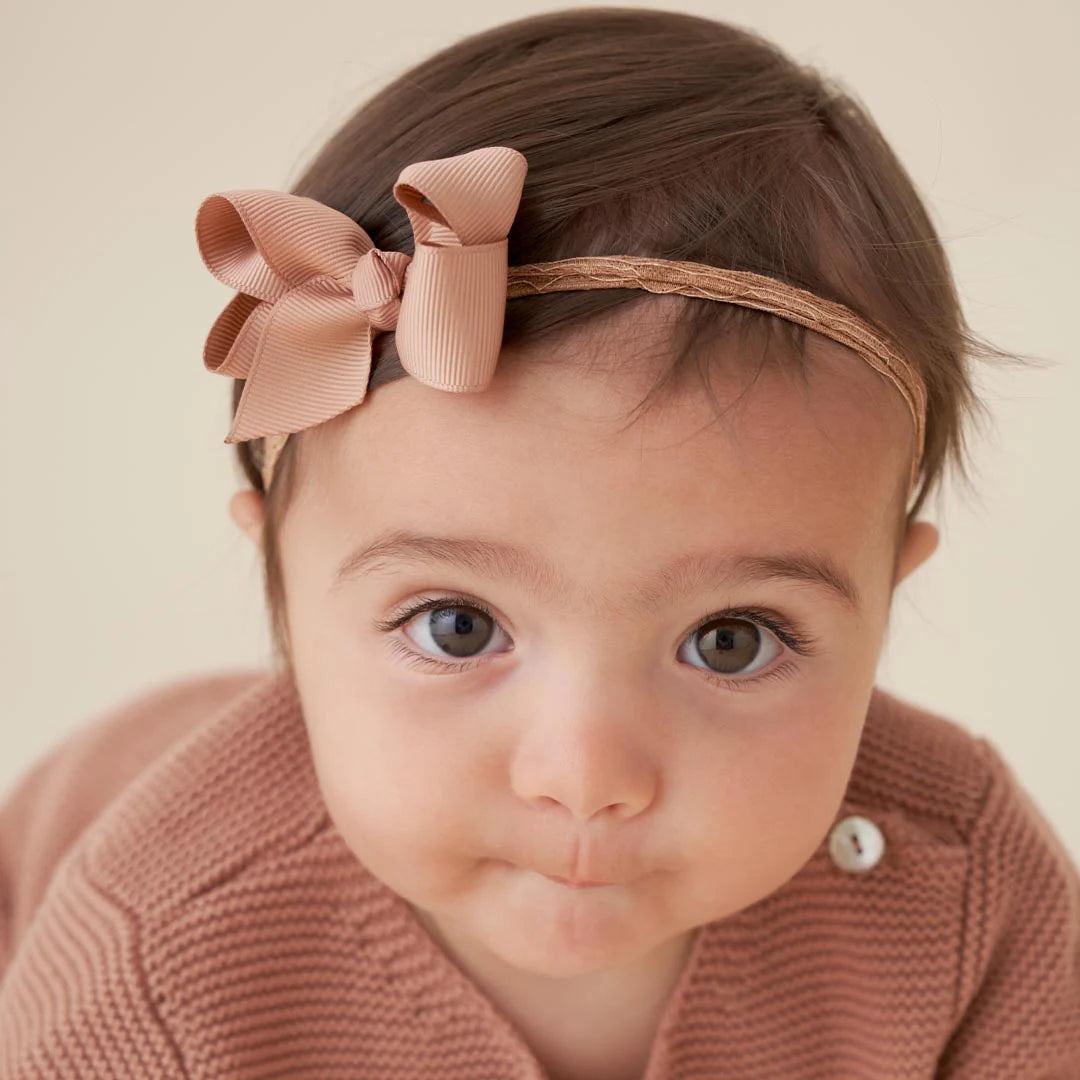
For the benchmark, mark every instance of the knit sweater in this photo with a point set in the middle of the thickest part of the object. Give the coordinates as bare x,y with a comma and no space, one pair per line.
176,902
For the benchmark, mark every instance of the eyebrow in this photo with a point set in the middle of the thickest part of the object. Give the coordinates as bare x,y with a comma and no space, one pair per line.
692,571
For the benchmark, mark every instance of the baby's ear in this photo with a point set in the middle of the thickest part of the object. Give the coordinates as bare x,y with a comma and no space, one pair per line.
247,509
919,543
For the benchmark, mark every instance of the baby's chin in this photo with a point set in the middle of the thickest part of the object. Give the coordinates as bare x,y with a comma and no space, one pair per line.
519,920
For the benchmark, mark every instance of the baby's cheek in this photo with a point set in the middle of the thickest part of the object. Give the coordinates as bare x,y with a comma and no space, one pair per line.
391,794
770,797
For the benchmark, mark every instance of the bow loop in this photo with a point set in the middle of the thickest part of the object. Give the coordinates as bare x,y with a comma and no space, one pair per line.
449,329
266,242
466,200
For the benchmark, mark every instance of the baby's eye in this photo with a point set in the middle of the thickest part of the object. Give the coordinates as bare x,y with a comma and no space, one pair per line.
727,643
459,629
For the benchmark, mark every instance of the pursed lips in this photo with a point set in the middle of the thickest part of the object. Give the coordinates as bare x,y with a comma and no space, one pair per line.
578,884
565,881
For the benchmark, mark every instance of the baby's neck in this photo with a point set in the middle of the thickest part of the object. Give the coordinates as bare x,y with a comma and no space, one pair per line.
597,1028
603,1033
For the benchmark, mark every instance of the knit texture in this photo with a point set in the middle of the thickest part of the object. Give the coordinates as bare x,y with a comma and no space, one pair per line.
194,913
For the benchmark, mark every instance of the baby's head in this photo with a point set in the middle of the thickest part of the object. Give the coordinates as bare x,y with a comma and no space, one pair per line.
618,616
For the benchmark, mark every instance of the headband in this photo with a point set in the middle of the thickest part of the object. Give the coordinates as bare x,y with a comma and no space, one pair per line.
313,291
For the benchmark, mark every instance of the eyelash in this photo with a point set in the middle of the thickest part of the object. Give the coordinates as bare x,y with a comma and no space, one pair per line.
796,640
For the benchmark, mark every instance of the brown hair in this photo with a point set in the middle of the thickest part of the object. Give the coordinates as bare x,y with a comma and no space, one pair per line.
659,133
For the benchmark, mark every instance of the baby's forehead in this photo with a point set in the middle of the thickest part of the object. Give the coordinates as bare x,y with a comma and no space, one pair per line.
736,354
824,413
547,448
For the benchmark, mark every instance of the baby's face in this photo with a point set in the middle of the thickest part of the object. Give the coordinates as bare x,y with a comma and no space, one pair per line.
624,713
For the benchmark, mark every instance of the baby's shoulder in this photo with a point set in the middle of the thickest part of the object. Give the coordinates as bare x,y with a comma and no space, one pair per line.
922,766
974,860
239,786
68,788
944,784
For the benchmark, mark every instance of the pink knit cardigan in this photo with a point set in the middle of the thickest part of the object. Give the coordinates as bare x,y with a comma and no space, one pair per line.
175,902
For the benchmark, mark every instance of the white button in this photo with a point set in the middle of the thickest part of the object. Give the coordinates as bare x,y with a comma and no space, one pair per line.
856,844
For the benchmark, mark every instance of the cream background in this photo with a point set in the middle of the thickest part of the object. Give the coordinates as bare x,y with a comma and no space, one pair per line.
120,566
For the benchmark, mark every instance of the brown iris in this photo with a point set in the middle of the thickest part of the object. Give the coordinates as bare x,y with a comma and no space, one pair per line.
728,645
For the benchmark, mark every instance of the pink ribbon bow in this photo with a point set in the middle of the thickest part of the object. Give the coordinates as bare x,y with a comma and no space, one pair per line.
313,290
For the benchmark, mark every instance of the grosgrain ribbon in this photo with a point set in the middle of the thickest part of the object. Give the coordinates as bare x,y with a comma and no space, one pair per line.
313,290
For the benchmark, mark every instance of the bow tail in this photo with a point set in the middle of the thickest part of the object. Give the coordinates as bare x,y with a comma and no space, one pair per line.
231,344
310,363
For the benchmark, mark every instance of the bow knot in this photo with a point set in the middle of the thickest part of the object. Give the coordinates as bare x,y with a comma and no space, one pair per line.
313,290
378,281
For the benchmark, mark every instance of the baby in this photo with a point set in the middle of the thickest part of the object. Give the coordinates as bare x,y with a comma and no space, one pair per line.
572,764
